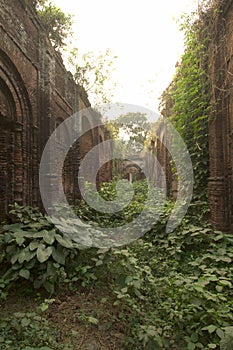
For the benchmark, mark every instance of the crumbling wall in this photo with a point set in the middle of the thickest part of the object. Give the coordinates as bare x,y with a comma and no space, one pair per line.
36,95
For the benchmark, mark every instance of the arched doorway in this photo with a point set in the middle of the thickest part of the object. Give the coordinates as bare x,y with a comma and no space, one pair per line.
7,112
15,137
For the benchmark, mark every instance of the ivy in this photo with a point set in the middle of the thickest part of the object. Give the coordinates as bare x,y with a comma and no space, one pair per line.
186,102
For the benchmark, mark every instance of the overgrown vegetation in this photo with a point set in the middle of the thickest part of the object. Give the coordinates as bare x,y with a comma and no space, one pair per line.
57,24
176,289
90,70
93,72
28,331
186,102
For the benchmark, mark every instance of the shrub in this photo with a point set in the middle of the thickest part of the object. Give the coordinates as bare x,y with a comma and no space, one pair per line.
33,249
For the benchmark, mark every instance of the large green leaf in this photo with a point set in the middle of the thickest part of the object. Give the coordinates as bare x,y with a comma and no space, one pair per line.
20,240
13,227
15,258
64,241
49,286
22,256
29,255
49,236
30,264
34,245
8,237
24,273
51,269
43,253
59,256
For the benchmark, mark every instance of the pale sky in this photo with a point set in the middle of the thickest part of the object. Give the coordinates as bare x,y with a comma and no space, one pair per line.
143,34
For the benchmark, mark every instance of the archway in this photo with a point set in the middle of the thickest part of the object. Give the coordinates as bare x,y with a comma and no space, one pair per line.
15,145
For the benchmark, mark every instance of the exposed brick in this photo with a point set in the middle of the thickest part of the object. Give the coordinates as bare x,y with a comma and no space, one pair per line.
36,94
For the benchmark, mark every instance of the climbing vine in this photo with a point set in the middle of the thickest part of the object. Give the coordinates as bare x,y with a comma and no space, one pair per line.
186,102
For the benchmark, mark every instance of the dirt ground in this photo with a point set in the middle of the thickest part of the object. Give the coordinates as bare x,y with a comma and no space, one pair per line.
86,319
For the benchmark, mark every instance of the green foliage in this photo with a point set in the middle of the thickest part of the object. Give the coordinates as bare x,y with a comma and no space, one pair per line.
35,251
186,102
178,288
131,211
27,331
57,24
135,128
92,72
227,339
175,289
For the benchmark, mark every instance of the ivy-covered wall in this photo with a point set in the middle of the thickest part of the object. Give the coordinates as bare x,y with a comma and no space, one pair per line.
199,103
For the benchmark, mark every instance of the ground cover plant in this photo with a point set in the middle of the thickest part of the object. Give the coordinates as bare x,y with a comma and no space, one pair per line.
174,290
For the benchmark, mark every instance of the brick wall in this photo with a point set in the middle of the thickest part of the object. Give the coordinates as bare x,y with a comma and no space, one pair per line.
36,95
221,122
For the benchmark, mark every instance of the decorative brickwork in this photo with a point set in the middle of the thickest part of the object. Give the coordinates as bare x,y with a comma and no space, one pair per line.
36,95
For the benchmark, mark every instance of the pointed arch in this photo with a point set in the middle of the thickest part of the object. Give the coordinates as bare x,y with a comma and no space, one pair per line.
15,139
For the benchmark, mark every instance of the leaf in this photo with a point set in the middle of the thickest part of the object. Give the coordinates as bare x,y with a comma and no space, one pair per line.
211,328
59,256
25,322
93,320
225,283
24,273
219,288
49,236
43,253
14,258
220,333
29,255
30,264
226,259
99,263
128,279
64,241
229,330
22,256
191,346
20,240
218,237
8,237
19,314
49,286
45,305
12,227
34,245
104,300
194,337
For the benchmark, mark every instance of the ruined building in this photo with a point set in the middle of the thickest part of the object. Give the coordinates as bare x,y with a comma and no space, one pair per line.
36,95
221,122
220,181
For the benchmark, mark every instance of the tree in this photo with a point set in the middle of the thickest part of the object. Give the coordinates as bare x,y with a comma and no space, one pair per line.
93,73
90,71
57,24
135,129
